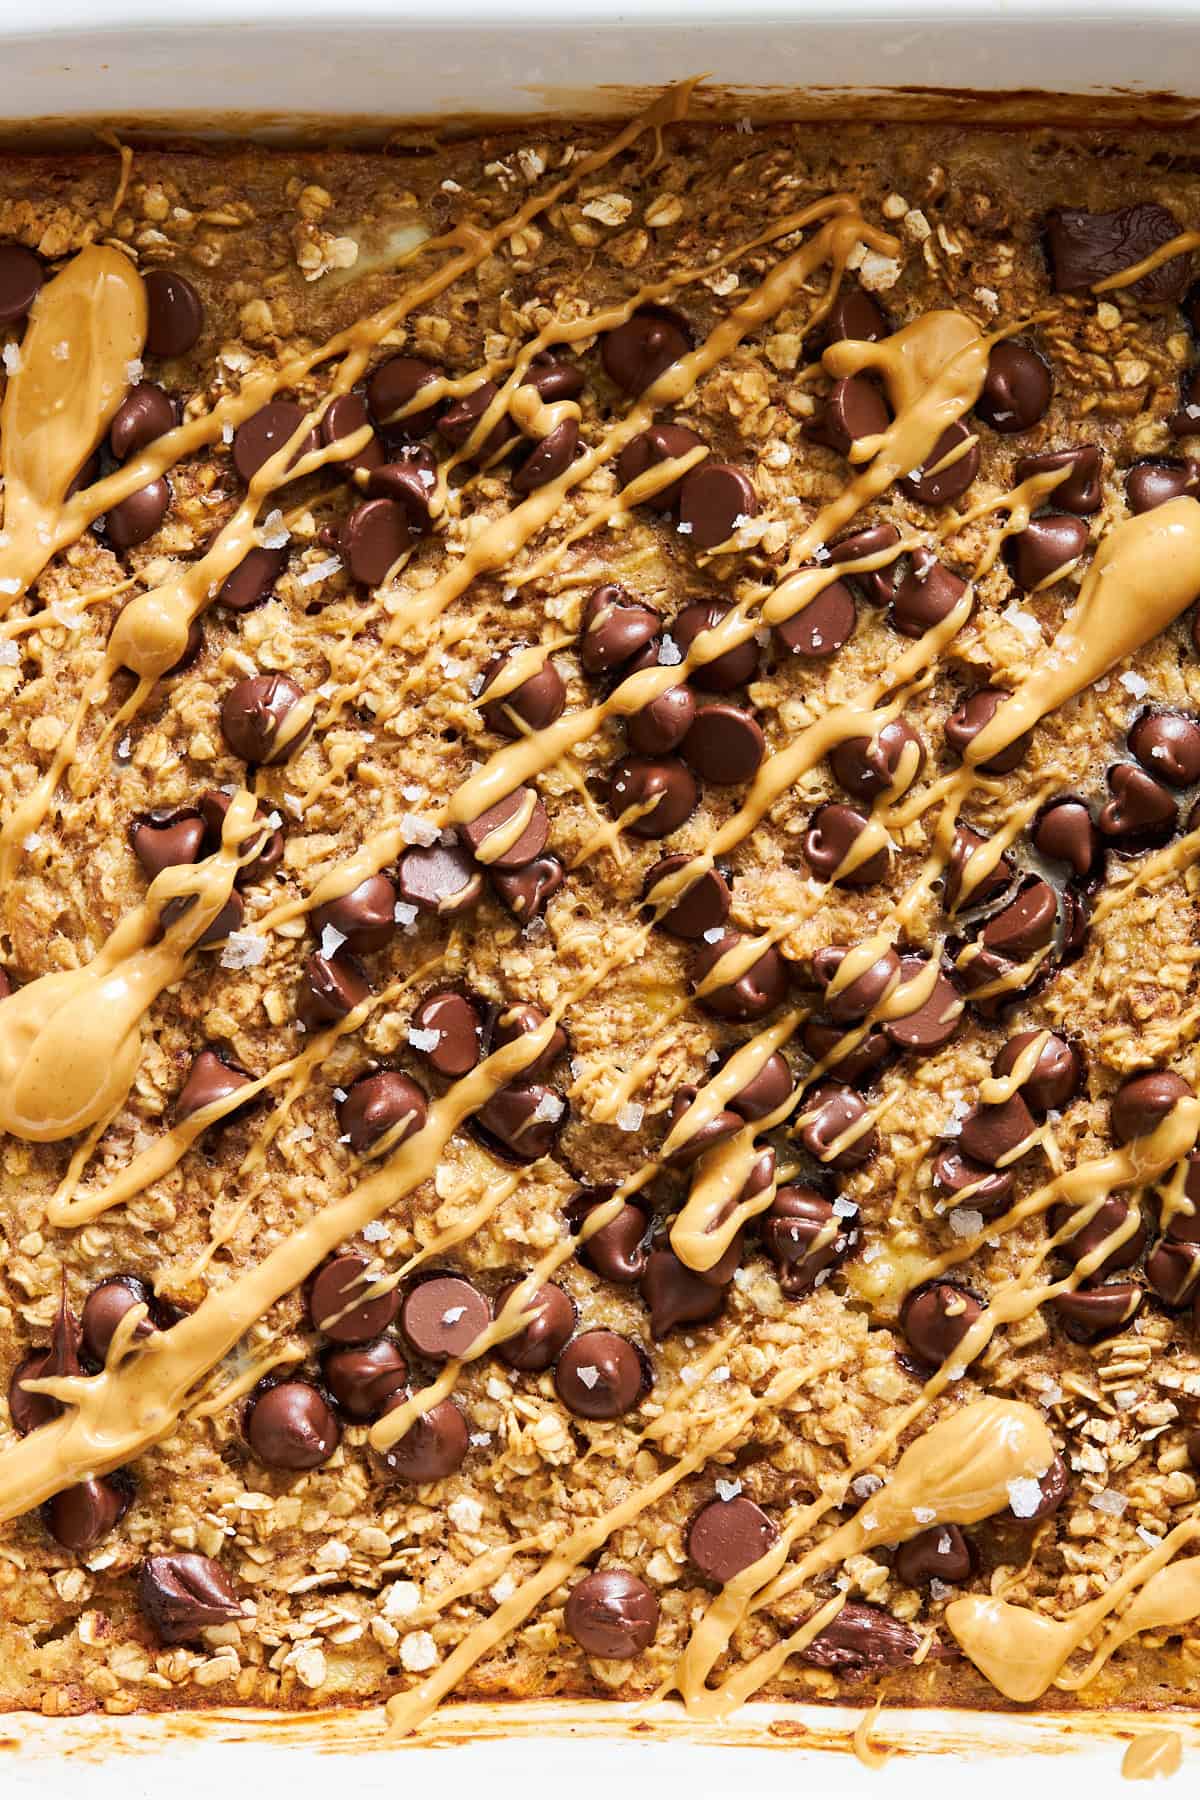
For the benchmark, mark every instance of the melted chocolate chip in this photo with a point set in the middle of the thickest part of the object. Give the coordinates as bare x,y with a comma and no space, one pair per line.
1054,1079
209,1079
636,353
174,313
724,744
832,833
1026,924
868,767
1141,813
21,278
1167,744
408,480
344,417
393,385
337,1302
442,1317
1093,1312
1142,1102
1065,833
824,1042
765,1092
750,995
991,1134
523,1120
599,1376
830,1111
659,444
704,906
291,1426
733,668
264,434
724,1124
551,1315
971,1184
167,838
145,413
366,916
936,486
676,1295
853,409
104,1309
936,1319
374,538
1173,1272
330,987
537,702
441,878
968,720
456,1022
1112,1216
865,991
461,418
376,1104
1053,1488
1084,248
727,1536
136,518
1156,480
486,836
986,888
715,498
663,786
855,314
180,1595
527,892
514,1022
662,726
1047,548
803,1236
80,1517
1080,491
252,580
434,1446
876,584
549,459
926,595
940,1554
256,720
1016,389
612,1615
617,1251
863,1639
363,1378
821,628
614,628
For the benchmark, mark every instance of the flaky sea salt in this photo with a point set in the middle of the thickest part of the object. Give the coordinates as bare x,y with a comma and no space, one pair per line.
1137,685
227,433
924,1515
405,914
274,534
319,572
863,1486
453,1314
588,1374
10,585
12,359
374,1231
331,940
466,1513
415,830
727,1490
549,1108
965,1222
843,1208
1111,1503
425,1041
134,370
10,656
243,950
669,653
1024,1496
1150,1538
714,934
630,1116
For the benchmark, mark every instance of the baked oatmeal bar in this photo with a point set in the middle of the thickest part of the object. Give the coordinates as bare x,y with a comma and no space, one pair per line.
597,1064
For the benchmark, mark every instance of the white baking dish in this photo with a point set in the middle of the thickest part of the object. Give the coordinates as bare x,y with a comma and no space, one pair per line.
271,67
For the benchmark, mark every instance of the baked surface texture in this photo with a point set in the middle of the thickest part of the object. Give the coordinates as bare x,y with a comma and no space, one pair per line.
490,1027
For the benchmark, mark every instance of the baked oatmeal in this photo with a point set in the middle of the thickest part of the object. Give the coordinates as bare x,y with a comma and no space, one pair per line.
597,1066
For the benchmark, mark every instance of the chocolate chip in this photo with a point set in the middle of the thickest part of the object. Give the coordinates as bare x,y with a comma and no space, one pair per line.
1142,1102
1026,924
1112,1216
863,1638
527,892
1016,389
523,1119
344,417
990,887
858,997
663,725
291,1426
1092,1312
1156,480
832,832
518,1021
853,409
551,1315
209,1079
21,278
443,1317
362,1378
636,353
1141,814
926,595
825,1043
830,1110
733,668
365,917
180,1595
1064,833
1053,1488
724,744
617,1251
599,1376
256,722
803,1236
990,1134
936,1319
876,584
990,1189
715,499
376,1104
373,539
337,1304
537,702
145,413
661,785
1167,743
727,1536
392,386
457,1023
434,1446
929,489
104,1309
330,987
554,377
228,919
441,878
614,628
722,1125
1046,549
1186,422
408,480
968,720
676,1295
867,767
612,1615
80,1517
1173,1272
940,1554
138,516
461,418
1080,492
174,313
1084,248
265,432
821,628
29,1410
498,820
1054,1079
765,1092
549,459
167,838
855,314
658,444
750,995
252,580
703,907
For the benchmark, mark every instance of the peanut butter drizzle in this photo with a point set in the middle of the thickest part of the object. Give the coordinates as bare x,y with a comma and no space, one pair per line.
1152,1753
1176,246
70,1041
